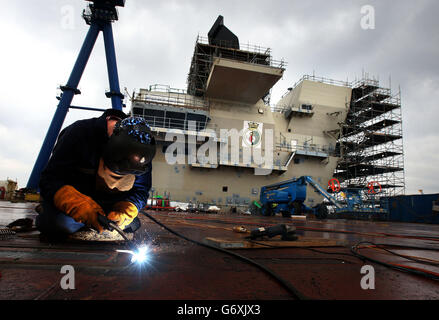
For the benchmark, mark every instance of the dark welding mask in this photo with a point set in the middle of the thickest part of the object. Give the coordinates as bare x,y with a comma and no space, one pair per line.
130,148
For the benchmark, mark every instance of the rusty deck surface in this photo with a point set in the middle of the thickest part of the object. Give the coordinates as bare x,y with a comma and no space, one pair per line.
30,268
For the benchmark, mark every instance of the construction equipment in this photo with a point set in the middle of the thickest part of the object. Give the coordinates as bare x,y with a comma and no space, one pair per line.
354,205
159,203
288,198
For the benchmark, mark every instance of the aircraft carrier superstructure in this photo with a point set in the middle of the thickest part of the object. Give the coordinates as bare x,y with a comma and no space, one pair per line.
228,87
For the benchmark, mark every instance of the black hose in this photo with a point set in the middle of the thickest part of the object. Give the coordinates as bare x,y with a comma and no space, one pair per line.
436,264
402,246
305,248
289,287
354,250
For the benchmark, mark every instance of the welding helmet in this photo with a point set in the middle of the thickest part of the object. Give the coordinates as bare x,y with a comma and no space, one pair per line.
130,148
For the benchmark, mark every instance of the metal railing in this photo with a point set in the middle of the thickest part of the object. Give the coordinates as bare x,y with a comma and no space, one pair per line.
166,88
229,44
234,53
279,109
386,92
269,62
364,82
304,147
172,99
352,84
383,91
284,109
174,123
318,79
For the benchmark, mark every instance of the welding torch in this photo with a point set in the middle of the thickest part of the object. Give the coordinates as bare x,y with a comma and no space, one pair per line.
138,254
111,225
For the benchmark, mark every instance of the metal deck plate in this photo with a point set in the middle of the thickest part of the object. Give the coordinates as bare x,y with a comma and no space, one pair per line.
30,269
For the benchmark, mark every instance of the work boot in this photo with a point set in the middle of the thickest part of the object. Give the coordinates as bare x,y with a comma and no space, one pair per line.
21,225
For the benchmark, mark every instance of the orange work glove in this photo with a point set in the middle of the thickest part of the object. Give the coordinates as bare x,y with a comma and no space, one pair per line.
123,213
78,206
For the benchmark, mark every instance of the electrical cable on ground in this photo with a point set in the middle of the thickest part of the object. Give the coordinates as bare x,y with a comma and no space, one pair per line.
304,248
403,268
288,286
412,258
403,246
304,228
353,249
399,267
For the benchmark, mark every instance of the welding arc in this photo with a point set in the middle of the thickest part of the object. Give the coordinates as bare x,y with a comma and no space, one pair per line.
402,268
288,286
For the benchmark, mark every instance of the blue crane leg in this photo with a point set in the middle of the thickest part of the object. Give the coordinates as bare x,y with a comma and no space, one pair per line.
63,106
115,94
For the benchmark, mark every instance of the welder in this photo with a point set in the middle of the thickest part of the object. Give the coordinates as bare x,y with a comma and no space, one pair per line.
99,166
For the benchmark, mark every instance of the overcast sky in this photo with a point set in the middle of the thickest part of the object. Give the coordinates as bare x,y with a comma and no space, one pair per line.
155,41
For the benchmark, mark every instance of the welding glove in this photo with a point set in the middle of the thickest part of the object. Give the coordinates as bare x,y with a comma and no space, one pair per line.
78,206
123,213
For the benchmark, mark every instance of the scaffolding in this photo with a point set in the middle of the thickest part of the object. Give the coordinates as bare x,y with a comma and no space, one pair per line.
205,52
370,141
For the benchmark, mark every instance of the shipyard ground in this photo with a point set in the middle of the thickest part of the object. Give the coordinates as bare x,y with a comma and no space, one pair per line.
30,268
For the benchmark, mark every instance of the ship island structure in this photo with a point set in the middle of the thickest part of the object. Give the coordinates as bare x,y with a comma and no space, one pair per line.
323,128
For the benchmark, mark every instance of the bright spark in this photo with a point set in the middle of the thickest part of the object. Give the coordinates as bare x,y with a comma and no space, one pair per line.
140,255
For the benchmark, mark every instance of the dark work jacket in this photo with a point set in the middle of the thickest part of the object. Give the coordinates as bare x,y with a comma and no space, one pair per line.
75,162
